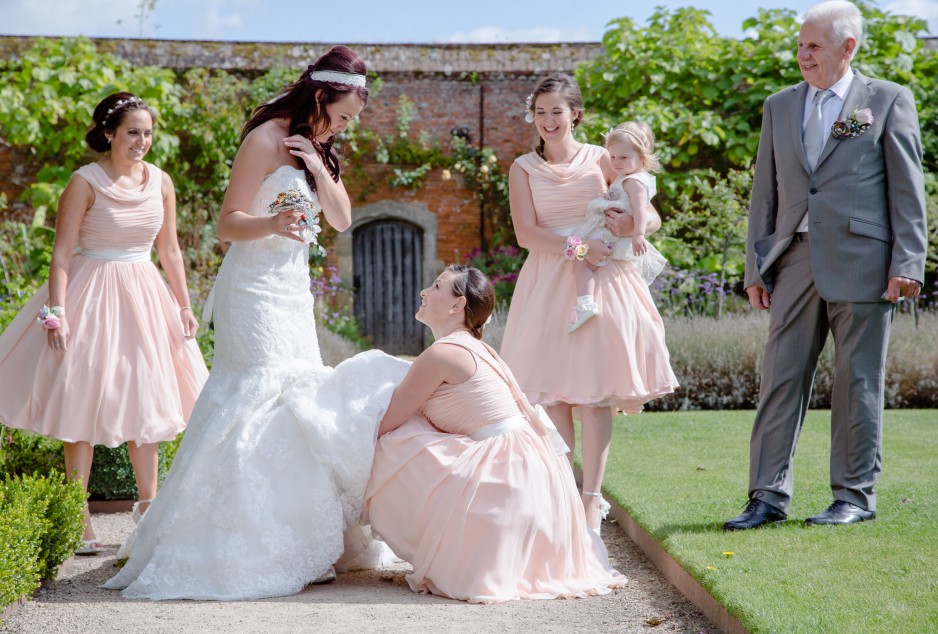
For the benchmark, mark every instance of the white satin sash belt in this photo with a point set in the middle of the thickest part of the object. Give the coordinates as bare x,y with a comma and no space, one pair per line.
116,255
499,428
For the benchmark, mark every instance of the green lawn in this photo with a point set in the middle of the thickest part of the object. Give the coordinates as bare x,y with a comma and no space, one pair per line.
681,475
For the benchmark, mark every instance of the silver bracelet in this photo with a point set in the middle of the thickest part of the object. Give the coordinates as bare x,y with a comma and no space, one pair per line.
189,308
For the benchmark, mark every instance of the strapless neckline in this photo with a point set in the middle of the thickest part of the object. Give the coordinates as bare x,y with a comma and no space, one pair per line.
289,167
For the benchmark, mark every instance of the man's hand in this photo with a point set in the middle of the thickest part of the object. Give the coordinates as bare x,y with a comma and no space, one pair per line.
899,288
759,298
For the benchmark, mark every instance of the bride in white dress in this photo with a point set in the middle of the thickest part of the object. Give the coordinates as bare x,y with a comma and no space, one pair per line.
265,493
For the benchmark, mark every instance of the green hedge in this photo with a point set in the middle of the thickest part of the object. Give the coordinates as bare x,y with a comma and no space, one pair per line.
40,527
112,475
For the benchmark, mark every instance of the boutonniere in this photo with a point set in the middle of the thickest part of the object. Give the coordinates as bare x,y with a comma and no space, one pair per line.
854,125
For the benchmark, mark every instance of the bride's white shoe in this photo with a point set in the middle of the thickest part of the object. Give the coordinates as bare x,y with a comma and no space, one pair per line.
603,508
137,515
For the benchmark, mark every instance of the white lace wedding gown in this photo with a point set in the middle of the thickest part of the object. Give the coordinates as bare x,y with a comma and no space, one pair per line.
271,472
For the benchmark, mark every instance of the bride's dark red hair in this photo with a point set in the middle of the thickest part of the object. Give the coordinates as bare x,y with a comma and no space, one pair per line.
303,103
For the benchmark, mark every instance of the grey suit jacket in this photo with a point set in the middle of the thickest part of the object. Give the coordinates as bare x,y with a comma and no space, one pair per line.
865,200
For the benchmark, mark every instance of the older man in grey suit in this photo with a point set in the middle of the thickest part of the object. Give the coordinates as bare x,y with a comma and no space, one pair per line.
837,235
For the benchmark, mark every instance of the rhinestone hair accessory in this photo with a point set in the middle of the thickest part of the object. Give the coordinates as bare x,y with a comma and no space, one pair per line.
117,106
336,77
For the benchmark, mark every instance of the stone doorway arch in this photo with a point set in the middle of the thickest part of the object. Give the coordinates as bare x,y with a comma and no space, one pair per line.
390,221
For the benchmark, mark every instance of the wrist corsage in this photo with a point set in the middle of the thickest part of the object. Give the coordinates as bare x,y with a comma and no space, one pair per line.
50,317
854,125
575,249
295,199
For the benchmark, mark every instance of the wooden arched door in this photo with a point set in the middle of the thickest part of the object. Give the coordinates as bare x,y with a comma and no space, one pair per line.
388,276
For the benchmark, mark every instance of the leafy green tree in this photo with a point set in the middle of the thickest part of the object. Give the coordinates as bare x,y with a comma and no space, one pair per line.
48,97
703,94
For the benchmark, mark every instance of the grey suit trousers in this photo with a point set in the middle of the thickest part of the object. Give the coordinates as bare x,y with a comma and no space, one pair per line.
799,324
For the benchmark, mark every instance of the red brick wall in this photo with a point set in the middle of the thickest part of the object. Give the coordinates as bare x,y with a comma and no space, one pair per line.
479,87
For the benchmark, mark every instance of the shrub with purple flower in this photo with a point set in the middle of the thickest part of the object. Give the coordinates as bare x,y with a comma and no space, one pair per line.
334,306
501,264
695,293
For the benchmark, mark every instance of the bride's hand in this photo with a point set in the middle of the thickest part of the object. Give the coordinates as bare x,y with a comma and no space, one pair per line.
284,224
303,149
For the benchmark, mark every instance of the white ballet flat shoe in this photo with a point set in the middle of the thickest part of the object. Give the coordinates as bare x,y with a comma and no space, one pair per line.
136,515
582,314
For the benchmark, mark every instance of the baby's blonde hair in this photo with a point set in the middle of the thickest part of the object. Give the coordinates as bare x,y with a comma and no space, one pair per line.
641,137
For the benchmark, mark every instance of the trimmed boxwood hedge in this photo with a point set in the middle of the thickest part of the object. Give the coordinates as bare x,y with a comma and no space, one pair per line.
40,527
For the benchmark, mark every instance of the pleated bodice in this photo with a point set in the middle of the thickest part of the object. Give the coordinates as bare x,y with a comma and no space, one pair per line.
483,399
561,191
121,219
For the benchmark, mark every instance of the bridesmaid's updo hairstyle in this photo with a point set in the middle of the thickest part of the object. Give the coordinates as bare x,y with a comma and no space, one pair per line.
568,89
303,103
472,284
109,114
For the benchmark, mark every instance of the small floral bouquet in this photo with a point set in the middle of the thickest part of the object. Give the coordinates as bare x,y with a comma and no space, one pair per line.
575,249
854,125
50,318
296,200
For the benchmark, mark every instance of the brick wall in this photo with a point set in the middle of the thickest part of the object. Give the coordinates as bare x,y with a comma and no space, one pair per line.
478,87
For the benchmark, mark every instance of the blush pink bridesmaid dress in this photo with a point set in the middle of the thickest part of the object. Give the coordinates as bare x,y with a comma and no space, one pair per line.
129,373
619,359
476,497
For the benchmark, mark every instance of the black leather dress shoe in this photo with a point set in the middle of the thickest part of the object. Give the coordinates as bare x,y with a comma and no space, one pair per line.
841,512
756,514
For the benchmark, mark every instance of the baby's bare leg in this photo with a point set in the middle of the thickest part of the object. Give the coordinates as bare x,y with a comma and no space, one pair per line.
585,280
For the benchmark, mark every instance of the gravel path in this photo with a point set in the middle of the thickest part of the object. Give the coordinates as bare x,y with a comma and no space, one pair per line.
372,601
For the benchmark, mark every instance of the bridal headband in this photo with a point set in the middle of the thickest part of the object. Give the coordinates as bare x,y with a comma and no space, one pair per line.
336,77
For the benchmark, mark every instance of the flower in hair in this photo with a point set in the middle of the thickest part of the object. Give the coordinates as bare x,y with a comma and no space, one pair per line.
529,108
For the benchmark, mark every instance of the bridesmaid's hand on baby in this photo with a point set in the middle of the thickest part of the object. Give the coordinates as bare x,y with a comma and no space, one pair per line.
619,223
598,253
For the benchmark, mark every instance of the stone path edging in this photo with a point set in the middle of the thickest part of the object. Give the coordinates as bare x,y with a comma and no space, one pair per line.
673,572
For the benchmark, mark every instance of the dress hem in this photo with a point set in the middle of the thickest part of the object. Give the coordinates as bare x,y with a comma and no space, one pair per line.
628,405
162,438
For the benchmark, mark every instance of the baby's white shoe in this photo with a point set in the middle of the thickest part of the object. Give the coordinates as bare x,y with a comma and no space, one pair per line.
584,310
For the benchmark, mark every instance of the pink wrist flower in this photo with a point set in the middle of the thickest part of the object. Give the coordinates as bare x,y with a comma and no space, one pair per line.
50,318
574,248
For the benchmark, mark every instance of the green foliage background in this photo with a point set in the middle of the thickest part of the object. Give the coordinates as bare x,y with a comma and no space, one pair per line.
702,94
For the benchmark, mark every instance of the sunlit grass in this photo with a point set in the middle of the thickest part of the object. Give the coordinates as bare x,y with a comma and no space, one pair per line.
681,475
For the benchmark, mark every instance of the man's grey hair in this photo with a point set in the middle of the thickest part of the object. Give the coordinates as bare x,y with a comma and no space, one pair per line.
845,18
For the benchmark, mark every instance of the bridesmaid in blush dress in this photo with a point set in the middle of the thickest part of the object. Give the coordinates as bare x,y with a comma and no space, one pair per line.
468,483
620,361
120,363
